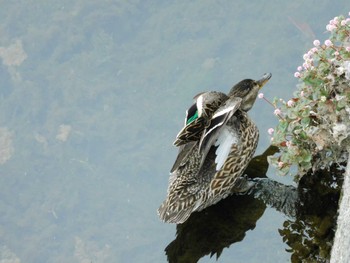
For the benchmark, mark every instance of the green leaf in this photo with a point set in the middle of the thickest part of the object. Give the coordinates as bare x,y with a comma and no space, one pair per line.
291,114
305,112
303,135
283,125
305,121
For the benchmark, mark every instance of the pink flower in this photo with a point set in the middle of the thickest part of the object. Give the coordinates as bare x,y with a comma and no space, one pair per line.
277,111
347,49
297,74
328,43
336,53
343,23
302,93
317,42
300,68
330,27
305,65
334,21
306,56
288,144
261,95
280,164
270,131
314,49
290,103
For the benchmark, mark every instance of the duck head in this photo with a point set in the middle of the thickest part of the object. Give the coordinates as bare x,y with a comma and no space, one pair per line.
248,89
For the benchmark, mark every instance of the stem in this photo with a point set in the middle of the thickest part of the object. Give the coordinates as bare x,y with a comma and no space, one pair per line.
269,102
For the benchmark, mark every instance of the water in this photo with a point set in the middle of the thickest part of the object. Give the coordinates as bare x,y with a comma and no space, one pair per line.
92,95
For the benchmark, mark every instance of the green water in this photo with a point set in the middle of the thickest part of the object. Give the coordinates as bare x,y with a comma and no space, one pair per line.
92,95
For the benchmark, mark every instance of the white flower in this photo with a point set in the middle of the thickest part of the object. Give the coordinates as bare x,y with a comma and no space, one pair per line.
328,43
306,65
330,27
323,98
314,50
334,21
277,111
290,103
316,42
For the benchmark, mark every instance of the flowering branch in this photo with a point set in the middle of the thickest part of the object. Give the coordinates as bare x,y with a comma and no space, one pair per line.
314,125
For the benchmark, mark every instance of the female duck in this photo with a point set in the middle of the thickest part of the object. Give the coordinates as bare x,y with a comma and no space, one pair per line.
215,146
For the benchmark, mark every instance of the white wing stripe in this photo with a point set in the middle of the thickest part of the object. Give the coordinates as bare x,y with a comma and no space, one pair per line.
222,112
200,105
224,142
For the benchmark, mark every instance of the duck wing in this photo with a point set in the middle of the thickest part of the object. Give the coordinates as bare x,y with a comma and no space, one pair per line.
184,151
219,134
198,116
183,198
191,132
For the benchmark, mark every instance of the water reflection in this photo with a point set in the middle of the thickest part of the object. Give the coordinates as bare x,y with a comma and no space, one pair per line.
215,228
310,233
310,210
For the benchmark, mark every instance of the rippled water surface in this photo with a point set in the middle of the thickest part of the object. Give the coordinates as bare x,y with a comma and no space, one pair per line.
92,95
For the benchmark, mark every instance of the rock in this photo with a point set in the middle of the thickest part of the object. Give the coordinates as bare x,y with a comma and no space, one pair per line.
340,249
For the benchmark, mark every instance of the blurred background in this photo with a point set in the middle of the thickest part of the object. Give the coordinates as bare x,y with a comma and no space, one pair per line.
92,95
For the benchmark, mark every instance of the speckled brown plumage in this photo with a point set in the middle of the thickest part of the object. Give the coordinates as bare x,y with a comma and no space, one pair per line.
196,181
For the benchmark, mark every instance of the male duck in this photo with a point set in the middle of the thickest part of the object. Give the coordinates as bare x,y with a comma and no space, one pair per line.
215,146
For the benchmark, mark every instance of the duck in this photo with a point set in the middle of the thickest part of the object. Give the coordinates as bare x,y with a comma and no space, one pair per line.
216,144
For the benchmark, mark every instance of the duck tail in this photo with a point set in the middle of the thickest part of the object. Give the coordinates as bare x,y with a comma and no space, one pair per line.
174,214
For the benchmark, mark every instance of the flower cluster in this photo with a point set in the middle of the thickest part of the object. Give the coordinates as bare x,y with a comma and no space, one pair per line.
314,125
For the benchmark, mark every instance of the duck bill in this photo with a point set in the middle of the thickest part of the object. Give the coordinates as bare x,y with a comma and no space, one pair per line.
265,78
